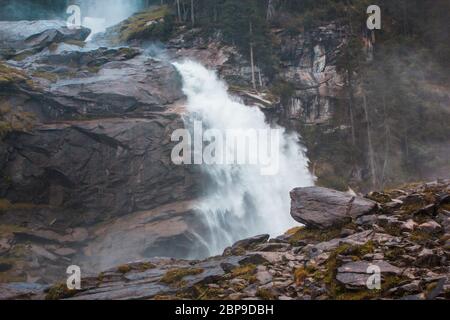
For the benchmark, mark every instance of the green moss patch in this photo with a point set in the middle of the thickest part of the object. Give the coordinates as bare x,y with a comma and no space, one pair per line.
59,291
246,272
10,229
124,269
9,75
312,235
265,294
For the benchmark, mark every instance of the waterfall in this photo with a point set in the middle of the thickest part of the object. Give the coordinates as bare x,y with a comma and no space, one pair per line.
241,202
98,15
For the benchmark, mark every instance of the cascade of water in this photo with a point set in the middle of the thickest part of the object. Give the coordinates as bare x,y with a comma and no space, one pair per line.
241,202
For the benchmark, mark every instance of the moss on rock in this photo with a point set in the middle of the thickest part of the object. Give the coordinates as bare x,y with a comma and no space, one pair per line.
59,291
265,294
176,275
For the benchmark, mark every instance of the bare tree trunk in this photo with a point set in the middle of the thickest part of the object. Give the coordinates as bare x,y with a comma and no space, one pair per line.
192,12
387,150
215,12
351,106
270,10
179,10
252,61
369,142
387,147
260,77
405,18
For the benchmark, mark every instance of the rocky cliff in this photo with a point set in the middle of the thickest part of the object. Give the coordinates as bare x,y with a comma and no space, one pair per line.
96,147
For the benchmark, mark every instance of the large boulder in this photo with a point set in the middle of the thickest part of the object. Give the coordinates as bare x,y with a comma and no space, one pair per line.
21,35
356,274
134,86
325,208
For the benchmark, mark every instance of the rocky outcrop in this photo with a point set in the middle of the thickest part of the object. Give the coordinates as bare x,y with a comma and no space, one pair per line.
305,263
82,82
29,37
324,208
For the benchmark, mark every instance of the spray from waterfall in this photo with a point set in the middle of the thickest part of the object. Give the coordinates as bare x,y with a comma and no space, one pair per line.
98,15
240,201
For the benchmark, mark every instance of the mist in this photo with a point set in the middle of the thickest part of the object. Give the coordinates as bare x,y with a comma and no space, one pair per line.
98,15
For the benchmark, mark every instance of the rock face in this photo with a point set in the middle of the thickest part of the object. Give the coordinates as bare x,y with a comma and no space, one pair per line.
309,61
324,208
104,167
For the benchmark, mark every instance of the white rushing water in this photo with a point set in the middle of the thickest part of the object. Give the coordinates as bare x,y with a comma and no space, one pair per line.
98,15
241,202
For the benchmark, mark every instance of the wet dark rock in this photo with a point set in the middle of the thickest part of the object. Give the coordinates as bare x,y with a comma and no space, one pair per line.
273,247
429,210
444,199
255,259
324,208
242,246
251,242
5,267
